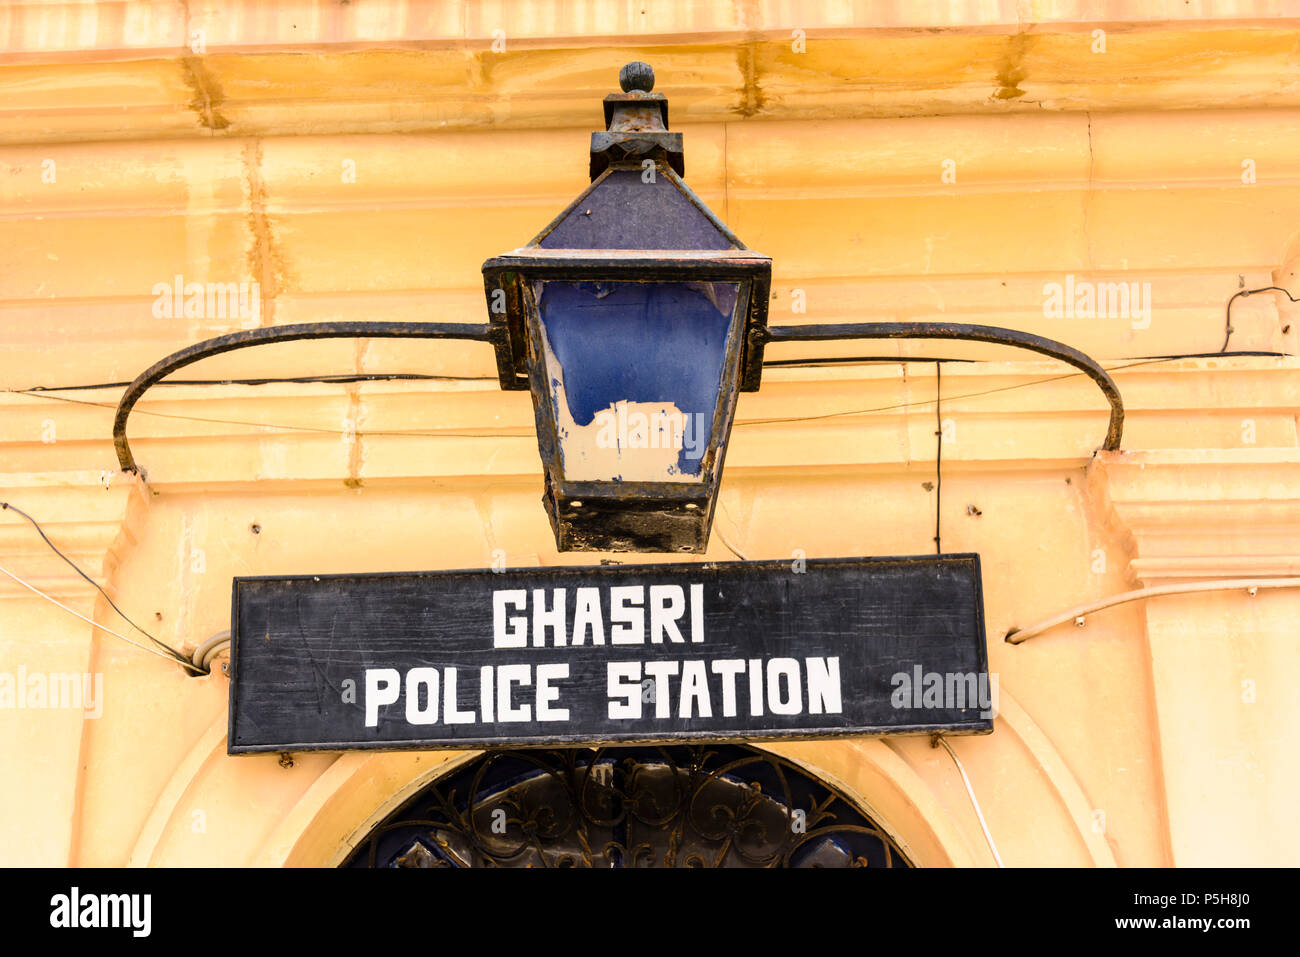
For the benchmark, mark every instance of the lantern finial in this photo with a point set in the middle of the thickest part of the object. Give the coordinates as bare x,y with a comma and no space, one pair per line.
636,125
637,76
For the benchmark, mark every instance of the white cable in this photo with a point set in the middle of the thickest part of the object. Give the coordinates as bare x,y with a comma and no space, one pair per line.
1017,635
732,548
971,792
174,660
718,528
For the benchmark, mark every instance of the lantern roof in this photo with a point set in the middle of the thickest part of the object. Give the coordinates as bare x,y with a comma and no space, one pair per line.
629,206
638,220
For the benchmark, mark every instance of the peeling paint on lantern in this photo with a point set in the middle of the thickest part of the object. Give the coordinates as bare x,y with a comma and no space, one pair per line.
628,441
648,416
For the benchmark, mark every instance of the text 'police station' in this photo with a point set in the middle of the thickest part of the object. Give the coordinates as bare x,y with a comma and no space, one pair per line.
619,615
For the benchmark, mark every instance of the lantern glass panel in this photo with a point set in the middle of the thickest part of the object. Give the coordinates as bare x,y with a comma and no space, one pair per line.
634,371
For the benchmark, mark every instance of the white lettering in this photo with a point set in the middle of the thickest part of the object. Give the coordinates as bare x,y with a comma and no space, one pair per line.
383,686
417,678
450,701
626,616
792,701
695,691
508,675
667,602
517,635
823,685
661,671
587,615
623,681
546,695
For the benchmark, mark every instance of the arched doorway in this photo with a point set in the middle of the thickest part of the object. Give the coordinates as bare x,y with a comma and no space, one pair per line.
680,806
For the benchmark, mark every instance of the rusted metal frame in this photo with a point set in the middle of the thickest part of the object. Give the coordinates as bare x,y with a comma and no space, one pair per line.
257,337
648,496
623,150
956,330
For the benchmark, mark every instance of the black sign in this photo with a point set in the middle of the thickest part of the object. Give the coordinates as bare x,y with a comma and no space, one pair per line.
609,654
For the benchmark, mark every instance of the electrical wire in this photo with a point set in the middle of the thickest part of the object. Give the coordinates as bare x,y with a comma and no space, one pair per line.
276,380
718,529
272,425
167,651
730,547
175,657
1227,316
970,791
842,360
921,403
938,459
525,433
918,404
900,360
44,392
6,506
418,376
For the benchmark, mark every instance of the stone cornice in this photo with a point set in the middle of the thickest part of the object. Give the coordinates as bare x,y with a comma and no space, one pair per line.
108,27
1206,513
87,514
118,70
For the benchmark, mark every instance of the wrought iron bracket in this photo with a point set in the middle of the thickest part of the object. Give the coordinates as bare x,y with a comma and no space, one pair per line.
257,337
498,335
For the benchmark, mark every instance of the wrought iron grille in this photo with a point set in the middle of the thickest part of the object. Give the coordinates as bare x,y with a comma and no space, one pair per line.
720,806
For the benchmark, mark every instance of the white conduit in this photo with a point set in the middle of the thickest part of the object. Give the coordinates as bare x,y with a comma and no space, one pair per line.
206,652
940,739
1078,615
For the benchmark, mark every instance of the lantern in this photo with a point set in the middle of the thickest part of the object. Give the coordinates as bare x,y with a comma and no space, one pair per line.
635,318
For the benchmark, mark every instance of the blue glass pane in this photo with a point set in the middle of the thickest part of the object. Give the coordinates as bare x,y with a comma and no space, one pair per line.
626,352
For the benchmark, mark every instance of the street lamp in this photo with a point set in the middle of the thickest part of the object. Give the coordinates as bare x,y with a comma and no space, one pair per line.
635,317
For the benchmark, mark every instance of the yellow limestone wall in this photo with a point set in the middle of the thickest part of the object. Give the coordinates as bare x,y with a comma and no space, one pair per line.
934,161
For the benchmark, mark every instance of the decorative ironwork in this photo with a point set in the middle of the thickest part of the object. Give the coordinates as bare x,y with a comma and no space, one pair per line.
683,806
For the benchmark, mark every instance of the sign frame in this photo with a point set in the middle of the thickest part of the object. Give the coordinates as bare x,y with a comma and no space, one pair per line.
592,575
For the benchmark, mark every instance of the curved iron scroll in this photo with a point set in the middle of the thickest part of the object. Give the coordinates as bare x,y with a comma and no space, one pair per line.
957,330
493,333
678,806
256,337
